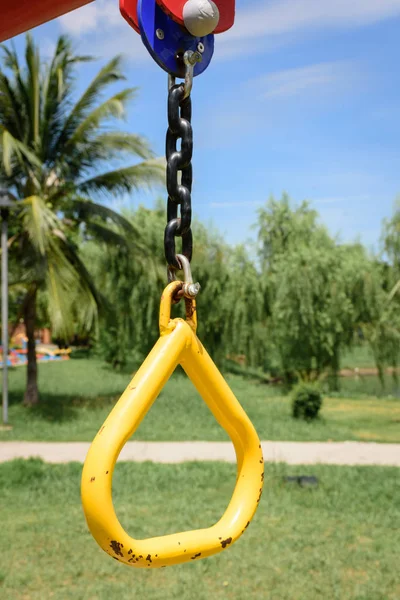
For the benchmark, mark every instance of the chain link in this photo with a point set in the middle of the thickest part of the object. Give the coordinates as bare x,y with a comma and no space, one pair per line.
179,188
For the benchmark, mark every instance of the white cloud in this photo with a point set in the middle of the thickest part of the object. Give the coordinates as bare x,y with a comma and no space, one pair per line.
227,48
278,17
96,16
80,21
293,82
117,41
261,26
102,31
292,95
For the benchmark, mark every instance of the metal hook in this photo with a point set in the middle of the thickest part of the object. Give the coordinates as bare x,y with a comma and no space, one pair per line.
190,59
190,289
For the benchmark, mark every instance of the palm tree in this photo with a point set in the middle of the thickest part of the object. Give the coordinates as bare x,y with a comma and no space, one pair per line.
58,155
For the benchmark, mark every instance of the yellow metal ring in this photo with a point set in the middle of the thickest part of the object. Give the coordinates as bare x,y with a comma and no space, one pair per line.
178,344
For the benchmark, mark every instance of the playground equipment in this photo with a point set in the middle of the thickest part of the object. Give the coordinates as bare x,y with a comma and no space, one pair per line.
179,36
178,344
17,17
18,357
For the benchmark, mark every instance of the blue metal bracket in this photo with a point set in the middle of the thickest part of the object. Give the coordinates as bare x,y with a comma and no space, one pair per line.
168,41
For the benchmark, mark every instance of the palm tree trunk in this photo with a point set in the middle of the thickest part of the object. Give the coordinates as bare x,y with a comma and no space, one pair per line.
31,393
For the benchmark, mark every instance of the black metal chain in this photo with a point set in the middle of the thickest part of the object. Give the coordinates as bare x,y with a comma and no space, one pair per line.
179,194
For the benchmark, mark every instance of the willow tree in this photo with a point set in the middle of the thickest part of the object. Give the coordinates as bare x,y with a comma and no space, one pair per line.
55,155
379,315
391,239
133,289
379,299
309,286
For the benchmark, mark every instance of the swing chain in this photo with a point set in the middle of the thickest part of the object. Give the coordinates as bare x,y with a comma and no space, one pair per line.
179,166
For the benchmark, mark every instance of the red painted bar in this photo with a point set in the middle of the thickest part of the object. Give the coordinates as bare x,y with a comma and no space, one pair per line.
17,16
128,10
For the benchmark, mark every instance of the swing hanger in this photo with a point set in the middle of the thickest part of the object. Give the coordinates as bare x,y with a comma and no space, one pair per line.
190,59
170,28
189,289
179,36
178,345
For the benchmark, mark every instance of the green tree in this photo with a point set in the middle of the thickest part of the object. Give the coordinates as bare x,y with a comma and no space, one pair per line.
379,298
281,226
133,286
129,328
309,282
245,317
55,155
391,238
379,320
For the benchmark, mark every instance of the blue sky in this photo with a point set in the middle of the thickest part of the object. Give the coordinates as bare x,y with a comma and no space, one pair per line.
301,96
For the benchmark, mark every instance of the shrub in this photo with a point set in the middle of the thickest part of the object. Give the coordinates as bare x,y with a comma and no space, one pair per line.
306,401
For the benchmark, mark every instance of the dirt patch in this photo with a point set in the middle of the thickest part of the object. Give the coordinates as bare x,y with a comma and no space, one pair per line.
366,372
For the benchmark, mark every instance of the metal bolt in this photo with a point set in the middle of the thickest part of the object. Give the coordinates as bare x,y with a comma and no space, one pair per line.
200,47
191,290
160,34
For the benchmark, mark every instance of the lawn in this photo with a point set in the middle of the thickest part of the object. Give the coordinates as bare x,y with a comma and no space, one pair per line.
78,395
341,540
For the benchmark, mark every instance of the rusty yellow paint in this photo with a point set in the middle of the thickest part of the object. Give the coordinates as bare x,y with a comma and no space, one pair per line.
178,344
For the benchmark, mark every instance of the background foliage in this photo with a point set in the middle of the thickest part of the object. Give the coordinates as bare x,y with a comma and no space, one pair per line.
285,307
289,306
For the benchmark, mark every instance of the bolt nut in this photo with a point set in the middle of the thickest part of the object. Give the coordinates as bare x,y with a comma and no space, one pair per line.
200,47
191,290
160,34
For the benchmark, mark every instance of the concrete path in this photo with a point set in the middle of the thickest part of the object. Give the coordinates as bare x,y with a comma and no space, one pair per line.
294,453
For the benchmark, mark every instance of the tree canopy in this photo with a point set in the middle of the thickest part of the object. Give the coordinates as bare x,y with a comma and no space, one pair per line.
290,311
60,157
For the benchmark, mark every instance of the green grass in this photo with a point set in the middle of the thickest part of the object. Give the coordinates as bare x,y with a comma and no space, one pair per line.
78,395
340,541
368,385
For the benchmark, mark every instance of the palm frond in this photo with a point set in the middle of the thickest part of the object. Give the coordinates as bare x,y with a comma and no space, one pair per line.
112,107
12,149
32,59
10,58
88,211
116,142
39,222
106,235
110,73
52,151
69,300
11,112
126,179
72,294
11,62
55,89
